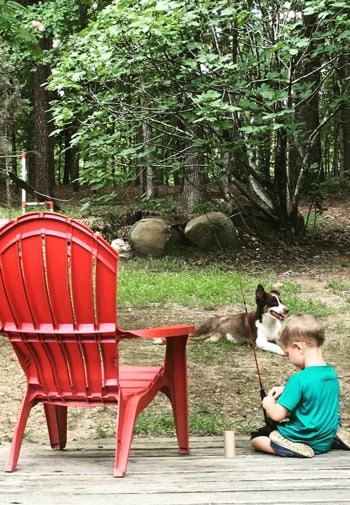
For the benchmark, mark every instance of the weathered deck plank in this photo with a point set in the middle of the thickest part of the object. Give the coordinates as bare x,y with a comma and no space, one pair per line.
157,475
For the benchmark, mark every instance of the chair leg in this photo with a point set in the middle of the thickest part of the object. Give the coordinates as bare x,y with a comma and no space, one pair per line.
56,418
177,389
127,411
26,406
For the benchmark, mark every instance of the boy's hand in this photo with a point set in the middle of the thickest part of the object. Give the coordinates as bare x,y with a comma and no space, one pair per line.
275,392
268,401
273,409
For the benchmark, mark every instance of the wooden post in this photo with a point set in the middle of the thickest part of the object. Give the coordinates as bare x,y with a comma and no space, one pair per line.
229,444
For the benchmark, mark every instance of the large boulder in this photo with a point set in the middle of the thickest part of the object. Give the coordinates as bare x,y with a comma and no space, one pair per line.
212,230
153,236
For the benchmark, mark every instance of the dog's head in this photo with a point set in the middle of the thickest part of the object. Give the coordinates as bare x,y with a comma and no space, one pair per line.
269,304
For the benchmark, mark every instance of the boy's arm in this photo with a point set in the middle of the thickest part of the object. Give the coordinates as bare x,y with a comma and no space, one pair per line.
273,409
276,391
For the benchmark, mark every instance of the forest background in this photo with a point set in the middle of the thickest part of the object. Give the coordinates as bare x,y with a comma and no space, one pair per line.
251,97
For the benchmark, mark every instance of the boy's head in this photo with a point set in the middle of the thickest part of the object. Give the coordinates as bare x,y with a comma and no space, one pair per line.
302,328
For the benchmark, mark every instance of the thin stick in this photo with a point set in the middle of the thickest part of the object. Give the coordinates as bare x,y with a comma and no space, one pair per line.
252,341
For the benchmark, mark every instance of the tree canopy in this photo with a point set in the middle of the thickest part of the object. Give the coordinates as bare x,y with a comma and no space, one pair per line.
250,96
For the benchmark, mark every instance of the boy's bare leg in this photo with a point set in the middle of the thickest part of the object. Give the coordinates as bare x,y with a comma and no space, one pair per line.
263,444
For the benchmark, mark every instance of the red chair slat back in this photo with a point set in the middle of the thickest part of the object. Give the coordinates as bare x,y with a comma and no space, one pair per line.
58,304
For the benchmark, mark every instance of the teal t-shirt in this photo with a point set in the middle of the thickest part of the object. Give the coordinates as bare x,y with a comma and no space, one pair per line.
311,397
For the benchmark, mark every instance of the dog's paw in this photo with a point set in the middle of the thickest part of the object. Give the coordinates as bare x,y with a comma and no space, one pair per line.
265,345
279,351
231,338
213,339
158,341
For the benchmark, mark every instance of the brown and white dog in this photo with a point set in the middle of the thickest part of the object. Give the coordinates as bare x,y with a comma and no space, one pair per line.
265,323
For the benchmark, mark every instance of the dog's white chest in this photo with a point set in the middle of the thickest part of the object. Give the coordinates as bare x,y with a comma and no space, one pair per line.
268,334
269,328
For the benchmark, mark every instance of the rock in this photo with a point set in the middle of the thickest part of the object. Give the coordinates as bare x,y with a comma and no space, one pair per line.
153,236
212,230
96,223
122,246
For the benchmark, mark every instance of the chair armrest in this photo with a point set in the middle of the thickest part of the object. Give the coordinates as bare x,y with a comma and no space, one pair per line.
161,332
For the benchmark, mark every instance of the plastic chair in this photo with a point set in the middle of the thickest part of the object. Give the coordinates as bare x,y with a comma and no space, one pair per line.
58,310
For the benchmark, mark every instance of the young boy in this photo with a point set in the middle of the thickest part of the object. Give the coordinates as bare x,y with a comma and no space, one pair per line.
304,412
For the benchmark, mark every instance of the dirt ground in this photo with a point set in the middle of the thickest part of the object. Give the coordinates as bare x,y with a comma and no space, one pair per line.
222,377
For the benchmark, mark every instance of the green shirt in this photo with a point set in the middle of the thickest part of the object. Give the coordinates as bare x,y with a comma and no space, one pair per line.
311,397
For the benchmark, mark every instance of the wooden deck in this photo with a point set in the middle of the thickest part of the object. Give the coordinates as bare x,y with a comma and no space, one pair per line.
157,475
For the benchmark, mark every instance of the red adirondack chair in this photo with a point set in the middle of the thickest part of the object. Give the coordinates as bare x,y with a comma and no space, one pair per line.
58,310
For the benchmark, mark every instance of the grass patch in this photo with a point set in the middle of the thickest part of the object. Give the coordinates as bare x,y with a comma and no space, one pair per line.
206,287
246,428
28,435
216,354
337,286
144,282
155,423
203,422
103,432
211,423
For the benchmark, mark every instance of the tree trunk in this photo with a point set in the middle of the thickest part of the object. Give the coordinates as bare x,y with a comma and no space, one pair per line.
307,113
151,187
146,134
192,192
194,180
67,158
14,152
282,197
43,143
344,73
71,160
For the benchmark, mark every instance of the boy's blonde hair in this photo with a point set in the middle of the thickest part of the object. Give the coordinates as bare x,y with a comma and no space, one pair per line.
302,328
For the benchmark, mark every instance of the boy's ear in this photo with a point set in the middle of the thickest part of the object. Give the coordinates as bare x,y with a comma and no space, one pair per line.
298,345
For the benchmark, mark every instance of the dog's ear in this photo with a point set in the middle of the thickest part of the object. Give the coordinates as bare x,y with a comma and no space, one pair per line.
260,293
276,292
260,298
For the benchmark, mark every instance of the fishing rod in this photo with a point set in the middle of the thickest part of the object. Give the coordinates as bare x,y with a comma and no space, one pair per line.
251,341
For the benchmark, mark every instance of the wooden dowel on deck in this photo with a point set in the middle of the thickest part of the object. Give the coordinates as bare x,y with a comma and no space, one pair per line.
229,444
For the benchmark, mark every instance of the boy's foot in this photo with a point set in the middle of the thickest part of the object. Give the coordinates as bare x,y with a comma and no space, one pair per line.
285,447
342,440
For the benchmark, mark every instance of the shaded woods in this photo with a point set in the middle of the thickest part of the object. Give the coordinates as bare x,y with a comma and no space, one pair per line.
248,97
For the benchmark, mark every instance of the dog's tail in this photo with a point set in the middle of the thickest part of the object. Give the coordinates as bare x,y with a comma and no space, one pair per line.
202,332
